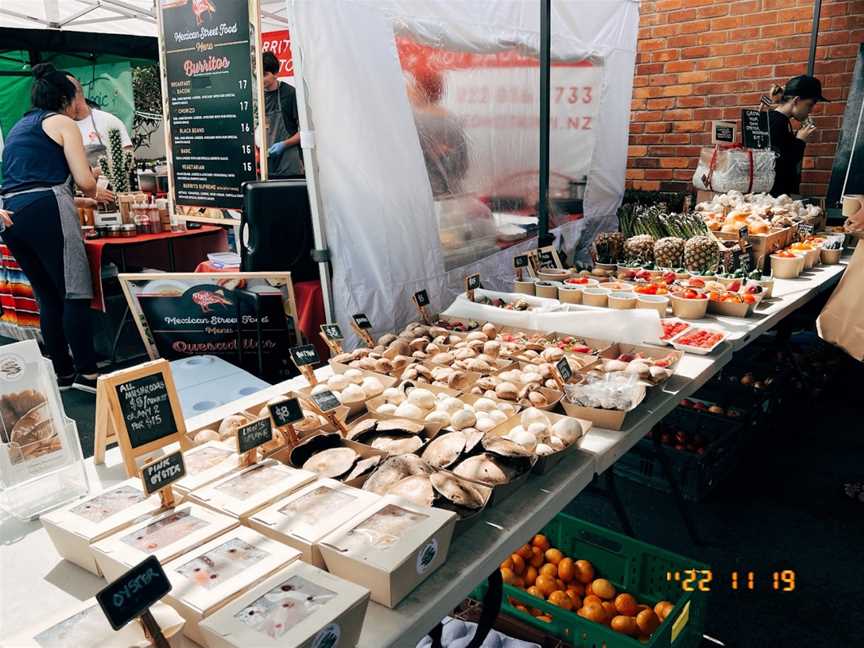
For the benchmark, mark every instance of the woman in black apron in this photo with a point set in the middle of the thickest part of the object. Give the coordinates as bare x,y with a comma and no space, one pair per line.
44,153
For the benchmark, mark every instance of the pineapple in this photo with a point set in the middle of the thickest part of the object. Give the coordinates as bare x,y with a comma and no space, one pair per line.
669,252
640,248
608,247
701,255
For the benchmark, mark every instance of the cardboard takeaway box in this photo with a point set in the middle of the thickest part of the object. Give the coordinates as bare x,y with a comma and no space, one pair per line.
303,518
214,574
243,492
390,548
207,463
76,526
165,535
299,607
84,624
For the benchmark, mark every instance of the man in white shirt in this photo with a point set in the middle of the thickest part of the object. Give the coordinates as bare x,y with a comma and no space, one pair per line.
94,125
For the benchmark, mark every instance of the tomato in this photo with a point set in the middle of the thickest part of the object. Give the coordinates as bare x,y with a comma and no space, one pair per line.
749,299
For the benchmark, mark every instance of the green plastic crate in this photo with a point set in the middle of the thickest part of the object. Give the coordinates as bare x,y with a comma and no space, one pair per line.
632,566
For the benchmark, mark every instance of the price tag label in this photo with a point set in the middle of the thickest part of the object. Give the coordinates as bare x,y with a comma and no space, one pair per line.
362,321
564,369
134,592
546,258
304,355
743,233
421,298
332,332
520,261
163,472
326,401
804,230
286,412
472,282
254,434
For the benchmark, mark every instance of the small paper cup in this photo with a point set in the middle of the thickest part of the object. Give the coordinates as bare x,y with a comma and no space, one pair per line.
546,289
830,257
570,294
689,308
525,287
786,267
622,300
595,296
657,302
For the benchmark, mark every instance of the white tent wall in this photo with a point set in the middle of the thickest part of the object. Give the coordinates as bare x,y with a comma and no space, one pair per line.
376,201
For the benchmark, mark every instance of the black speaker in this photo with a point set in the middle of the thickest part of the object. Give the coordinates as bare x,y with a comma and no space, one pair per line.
276,229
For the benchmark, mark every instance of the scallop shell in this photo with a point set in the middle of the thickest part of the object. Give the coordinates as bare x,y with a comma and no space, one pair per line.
482,468
444,449
416,488
332,463
506,447
397,444
362,428
457,491
362,467
393,470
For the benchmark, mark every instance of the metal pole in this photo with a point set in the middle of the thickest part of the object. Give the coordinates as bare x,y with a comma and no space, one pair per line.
543,237
814,35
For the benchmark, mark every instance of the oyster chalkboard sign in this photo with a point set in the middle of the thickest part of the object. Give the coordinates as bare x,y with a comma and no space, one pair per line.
254,434
138,409
131,596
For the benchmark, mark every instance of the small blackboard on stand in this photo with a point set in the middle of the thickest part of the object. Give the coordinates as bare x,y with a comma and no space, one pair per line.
304,358
158,475
326,403
139,409
133,594
520,262
252,435
361,325
754,129
421,300
332,336
284,414
564,370
472,283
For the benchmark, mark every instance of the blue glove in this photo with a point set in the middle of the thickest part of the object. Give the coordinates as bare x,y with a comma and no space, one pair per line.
276,149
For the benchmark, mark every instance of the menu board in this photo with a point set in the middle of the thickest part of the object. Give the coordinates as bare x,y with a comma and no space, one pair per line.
754,126
210,88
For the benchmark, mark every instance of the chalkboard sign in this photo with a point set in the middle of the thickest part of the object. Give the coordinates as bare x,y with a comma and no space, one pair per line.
804,230
254,434
564,369
332,332
362,321
754,126
421,297
546,258
211,101
146,409
723,132
520,261
326,401
286,411
743,233
472,282
163,472
134,592
304,355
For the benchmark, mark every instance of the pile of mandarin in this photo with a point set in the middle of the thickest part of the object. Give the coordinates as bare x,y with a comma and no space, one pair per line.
545,572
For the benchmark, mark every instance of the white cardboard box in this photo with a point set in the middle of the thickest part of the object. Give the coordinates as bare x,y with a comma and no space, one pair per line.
206,463
75,527
390,548
299,607
214,574
84,624
165,535
303,518
243,492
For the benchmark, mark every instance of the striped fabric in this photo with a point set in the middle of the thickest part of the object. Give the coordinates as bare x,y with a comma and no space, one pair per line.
20,312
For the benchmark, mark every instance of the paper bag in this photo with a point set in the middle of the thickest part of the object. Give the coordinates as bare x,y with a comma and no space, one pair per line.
841,322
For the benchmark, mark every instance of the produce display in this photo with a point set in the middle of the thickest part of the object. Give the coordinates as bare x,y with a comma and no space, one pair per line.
537,433
523,386
760,212
653,370
672,327
573,584
698,340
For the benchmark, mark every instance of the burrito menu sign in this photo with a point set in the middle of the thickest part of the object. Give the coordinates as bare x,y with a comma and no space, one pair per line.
210,90
248,319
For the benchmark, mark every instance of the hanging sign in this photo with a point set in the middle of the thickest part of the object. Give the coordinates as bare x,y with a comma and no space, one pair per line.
754,129
207,55
131,596
139,409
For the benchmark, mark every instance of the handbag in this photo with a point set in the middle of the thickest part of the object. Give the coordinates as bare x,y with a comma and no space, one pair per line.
735,168
841,322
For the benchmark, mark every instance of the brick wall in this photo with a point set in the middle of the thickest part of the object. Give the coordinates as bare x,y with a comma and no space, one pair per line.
700,60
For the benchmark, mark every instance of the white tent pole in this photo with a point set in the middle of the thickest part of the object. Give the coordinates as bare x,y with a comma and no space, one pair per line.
137,11
15,14
76,15
307,142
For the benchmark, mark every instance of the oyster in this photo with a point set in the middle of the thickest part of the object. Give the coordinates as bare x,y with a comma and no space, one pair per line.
393,470
332,463
444,449
483,468
416,488
457,491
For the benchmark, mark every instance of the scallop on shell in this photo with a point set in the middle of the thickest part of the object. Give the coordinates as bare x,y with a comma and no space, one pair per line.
482,468
457,491
332,463
444,449
415,488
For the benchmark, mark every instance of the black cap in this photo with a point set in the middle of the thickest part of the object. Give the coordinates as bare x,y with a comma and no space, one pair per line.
806,87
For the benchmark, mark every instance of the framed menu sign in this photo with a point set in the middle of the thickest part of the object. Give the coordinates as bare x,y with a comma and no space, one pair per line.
211,93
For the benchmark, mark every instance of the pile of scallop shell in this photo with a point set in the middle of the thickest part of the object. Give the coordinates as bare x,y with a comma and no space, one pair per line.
537,434
393,436
326,455
519,385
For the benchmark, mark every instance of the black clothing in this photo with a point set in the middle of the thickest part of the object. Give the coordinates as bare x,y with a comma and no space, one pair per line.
787,178
36,241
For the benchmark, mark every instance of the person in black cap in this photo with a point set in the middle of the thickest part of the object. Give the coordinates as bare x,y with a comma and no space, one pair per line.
797,101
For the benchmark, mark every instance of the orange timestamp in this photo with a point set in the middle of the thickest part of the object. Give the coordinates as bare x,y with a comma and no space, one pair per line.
702,580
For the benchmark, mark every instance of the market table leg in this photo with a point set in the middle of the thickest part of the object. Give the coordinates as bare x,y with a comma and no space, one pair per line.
676,491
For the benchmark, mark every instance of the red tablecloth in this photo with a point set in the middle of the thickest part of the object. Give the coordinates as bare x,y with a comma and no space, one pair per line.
152,251
310,307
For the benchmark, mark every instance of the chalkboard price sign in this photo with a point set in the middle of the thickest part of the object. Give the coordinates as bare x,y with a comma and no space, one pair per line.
421,297
362,321
304,355
743,233
804,230
472,282
134,592
546,258
286,412
520,261
146,409
254,434
723,132
332,331
754,126
564,369
326,401
163,472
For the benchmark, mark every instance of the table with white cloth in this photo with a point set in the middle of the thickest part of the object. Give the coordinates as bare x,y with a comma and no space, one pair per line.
35,578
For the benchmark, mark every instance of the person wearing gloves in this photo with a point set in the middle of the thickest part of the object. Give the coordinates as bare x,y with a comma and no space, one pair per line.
43,158
797,101
283,124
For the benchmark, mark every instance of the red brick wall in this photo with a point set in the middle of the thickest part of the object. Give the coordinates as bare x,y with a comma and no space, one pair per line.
700,60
